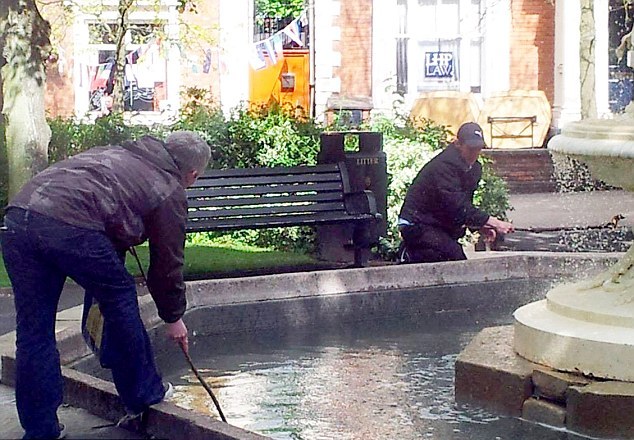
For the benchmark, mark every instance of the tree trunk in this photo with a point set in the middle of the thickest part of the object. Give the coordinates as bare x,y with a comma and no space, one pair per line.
119,67
586,58
25,43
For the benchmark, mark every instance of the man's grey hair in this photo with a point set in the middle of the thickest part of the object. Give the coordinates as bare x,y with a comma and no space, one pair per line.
189,150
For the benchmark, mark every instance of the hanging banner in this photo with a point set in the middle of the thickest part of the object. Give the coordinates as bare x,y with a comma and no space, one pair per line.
292,32
273,47
134,56
207,61
100,80
256,57
61,61
278,45
268,47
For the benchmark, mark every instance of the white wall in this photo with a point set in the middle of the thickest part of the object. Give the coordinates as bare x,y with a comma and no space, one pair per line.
494,72
326,59
496,46
567,104
384,34
601,24
236,30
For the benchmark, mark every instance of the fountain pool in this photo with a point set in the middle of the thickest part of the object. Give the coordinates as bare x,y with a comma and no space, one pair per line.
374,364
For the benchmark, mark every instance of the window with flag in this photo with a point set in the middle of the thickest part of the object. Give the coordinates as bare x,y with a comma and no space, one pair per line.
144,76
439,45
280,18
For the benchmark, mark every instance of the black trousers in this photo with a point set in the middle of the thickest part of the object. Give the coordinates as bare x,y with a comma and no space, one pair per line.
428,244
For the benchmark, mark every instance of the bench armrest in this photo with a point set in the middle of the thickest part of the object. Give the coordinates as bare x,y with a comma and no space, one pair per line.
361,202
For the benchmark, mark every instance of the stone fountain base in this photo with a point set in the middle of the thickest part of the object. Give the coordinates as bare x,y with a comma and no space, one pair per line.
587,331
490,374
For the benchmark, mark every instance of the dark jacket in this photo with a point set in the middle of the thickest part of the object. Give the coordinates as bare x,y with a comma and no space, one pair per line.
441,195
131,192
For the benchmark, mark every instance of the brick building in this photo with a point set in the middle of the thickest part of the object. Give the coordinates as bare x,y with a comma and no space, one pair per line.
365,51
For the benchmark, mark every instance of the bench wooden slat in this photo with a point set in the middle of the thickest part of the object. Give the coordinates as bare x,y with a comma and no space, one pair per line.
268,180
273,221
260,210
273,171
330,196
265,189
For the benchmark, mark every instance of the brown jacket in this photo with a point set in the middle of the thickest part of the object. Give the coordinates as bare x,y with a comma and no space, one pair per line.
131,192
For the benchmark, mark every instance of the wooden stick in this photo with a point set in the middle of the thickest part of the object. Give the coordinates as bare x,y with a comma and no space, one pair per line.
203,383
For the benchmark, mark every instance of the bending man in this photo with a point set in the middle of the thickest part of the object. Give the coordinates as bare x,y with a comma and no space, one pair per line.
76,219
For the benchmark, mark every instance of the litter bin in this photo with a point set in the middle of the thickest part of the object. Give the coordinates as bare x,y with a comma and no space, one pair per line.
367,169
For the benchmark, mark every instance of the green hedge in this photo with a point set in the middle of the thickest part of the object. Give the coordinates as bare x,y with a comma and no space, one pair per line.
259,136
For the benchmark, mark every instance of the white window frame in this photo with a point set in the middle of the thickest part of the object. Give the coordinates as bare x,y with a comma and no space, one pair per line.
85,54
462,39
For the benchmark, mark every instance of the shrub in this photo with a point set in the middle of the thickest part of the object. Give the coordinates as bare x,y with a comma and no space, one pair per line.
255,136
202,115
69,137
274,136
405,157
492,195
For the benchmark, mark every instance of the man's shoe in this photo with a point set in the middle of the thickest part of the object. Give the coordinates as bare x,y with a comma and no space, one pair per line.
402,255
169,390
62,431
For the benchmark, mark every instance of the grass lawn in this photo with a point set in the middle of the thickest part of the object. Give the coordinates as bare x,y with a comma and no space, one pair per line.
205,260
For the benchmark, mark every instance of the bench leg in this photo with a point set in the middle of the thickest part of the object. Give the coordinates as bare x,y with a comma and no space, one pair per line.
361,257
363,237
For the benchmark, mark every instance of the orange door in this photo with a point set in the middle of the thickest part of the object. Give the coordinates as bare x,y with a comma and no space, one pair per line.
285,82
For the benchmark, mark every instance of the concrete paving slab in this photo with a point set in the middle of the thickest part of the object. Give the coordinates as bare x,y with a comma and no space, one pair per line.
79,422
579,209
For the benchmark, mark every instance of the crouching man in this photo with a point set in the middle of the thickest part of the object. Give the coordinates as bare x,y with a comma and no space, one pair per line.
438,206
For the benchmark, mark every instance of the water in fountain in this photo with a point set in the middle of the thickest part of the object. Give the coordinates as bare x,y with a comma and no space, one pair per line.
387,379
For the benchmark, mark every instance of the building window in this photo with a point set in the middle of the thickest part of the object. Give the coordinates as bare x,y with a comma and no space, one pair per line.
621,76
144,78
439,45
401,48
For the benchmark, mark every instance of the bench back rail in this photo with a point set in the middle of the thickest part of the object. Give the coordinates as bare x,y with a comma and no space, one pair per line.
275,197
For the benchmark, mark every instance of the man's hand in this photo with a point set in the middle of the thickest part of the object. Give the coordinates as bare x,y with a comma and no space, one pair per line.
488,234
500,226
177,332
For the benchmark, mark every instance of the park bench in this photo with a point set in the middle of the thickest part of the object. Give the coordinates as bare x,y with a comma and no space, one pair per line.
255,198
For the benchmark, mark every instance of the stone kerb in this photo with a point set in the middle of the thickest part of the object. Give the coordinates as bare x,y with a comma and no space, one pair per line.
165,420
335,282
324,283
